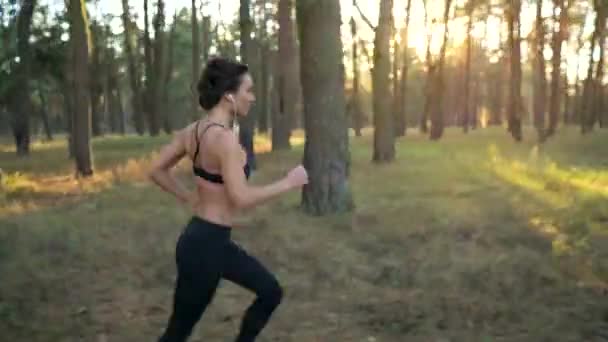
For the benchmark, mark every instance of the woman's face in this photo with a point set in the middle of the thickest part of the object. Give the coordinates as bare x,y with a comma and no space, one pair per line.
244,96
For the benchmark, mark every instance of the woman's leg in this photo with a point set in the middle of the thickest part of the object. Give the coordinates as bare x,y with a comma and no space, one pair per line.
244,270
197,279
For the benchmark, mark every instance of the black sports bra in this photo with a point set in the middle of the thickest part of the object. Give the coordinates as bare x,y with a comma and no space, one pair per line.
199,171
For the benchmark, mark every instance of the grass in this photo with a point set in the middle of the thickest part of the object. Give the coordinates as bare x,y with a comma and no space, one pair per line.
473,238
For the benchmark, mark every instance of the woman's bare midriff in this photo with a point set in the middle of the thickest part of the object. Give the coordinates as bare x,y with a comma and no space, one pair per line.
214,205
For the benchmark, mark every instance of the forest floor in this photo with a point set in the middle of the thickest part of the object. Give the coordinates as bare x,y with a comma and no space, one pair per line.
474,238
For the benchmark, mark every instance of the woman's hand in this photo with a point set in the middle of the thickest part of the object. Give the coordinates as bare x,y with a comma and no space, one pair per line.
297,177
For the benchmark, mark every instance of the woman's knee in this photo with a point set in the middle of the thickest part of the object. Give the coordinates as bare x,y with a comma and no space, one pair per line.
272,295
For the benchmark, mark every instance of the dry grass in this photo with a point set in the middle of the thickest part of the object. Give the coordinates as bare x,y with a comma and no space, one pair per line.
473,238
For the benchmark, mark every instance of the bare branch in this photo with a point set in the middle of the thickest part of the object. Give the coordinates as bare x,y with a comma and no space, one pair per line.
363,16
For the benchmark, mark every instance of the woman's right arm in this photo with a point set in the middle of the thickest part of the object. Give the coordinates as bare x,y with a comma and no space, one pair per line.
240,192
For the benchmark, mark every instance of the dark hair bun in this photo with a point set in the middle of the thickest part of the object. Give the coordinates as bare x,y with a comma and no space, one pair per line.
221,75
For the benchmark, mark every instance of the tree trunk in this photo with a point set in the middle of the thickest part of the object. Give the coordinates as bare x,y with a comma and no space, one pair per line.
149,82
80,40
566,95
287,80
598,110
158,74
44,113
263,67
540,81
396,106
246,124
588,112
196,61
356,114
326,151
130,49
401,122
384,137
206,36
575,114
167,127
20,101
430,74
68,98
558,37
437,118
467,69
515,100
96,86
495,82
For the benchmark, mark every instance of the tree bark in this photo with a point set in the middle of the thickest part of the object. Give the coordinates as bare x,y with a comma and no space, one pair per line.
558,38
80,40
264,70
396,105
20,101
599,110
158,69
44,113
590,90
384,135
540,80
326,151
96,84
430,74
467,68
356,114
196,61
136,93
574,116
437,118
167,127
515,100
287,80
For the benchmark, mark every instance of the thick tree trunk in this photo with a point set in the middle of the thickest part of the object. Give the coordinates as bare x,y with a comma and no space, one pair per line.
515,100
20,101
326,152
540,81
80,40
247,123
384,135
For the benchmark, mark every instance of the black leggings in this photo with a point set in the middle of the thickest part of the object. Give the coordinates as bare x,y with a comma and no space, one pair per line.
205,254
